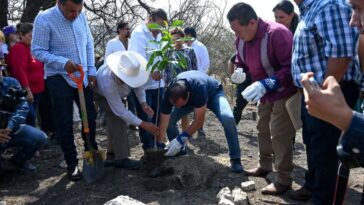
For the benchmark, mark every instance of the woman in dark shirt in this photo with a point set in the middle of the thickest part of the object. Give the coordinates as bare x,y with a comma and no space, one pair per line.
284,14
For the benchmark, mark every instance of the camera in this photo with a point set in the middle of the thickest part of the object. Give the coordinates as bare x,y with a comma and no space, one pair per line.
351,151
12,98
8,103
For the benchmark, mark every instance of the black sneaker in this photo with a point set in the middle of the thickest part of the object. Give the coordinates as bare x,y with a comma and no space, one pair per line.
74,174
28,167
127,164
235,166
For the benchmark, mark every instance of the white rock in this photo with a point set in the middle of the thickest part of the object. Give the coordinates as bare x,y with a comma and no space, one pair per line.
240,197
224,193
225,201
248,186
124,200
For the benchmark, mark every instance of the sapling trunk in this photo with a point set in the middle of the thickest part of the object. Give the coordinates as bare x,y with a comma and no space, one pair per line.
157,115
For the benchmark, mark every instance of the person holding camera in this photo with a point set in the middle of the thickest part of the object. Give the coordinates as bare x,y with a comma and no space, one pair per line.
13,131
329,103
322,47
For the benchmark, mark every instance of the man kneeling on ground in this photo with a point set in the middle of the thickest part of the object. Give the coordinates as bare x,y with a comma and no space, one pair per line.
194,91
13,131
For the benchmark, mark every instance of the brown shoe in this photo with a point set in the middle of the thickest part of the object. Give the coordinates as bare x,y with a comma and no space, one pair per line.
301,194
275,189
257,172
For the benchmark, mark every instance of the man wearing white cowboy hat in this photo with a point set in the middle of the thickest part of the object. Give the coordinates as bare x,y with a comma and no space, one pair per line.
123,71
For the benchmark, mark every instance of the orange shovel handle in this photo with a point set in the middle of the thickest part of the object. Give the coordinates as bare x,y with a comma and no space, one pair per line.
78,80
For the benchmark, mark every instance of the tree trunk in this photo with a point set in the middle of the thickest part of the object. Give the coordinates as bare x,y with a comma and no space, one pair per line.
3,13
33,7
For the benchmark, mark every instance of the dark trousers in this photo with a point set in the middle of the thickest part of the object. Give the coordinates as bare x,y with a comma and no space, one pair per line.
240,102
131,99
32,114
147,138
45,111
321,139
62,96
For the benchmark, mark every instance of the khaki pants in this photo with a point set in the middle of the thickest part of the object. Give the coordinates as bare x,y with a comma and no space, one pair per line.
116,128
275,138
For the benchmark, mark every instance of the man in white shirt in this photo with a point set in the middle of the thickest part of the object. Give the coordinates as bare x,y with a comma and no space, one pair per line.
203,60
140,42
122,72
202,55
121,41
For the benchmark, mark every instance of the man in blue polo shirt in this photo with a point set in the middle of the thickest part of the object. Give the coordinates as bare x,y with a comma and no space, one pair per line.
194,91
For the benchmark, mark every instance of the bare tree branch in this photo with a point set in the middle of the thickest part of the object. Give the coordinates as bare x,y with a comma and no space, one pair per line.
3,13
144,6
32,8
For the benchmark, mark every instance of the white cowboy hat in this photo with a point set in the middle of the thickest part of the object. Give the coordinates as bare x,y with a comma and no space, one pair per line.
129,66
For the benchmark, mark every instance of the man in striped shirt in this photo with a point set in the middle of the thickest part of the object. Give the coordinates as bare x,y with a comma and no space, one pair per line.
325,45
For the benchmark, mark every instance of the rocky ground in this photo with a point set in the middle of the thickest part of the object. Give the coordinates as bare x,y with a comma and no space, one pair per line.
194,179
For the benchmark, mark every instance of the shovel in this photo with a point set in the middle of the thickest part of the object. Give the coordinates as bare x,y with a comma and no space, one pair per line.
93,160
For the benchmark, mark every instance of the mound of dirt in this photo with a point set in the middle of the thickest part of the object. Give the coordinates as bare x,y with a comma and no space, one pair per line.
186,172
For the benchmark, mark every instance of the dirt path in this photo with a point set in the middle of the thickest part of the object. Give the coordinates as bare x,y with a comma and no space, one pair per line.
208,162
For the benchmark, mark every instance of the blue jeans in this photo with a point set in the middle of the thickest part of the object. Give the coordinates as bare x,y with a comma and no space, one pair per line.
62,97
147,138
219,105
321,139
29,139
32,114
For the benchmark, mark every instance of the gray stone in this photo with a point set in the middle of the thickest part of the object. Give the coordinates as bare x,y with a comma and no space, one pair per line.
240,197
124,200
248,186
225,201
224,193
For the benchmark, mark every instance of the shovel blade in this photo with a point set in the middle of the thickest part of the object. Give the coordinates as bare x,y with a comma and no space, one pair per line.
93,165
